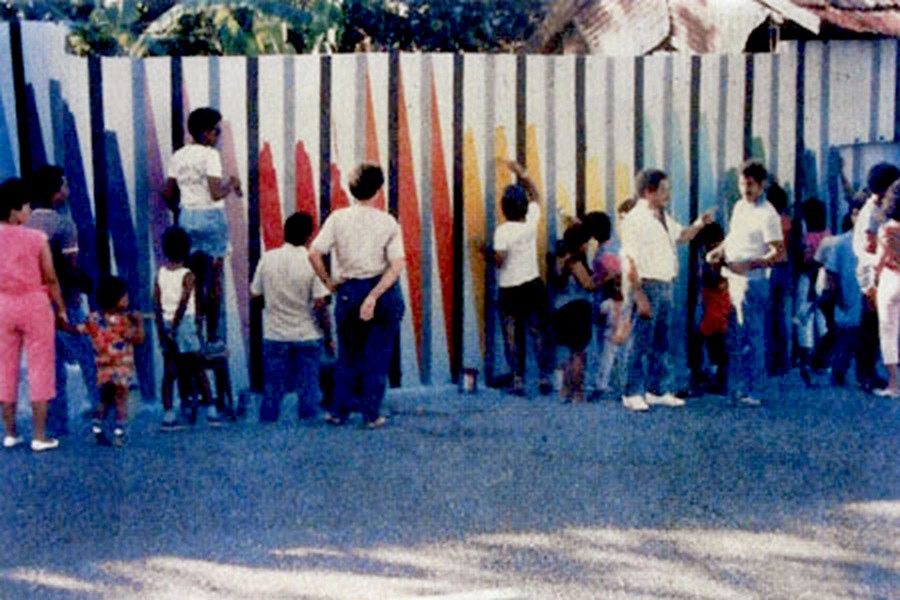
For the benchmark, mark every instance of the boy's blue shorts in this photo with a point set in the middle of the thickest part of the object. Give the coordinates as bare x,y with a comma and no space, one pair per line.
208,230
186,336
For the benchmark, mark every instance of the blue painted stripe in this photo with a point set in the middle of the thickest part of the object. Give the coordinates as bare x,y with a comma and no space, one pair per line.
774,121
457,336
580,137
177,104
824,130
748,105
721,131
98,156
638,113
550,146
324,138
254,233
875,91
668,111
215,83
490,151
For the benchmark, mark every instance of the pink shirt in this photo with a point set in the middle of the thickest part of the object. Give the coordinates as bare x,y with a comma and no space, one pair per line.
20,269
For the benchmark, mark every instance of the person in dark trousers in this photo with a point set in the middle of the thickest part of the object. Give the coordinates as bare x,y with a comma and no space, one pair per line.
366,248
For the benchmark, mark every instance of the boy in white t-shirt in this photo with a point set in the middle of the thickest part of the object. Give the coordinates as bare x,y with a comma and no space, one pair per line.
522,298
295,320
195,190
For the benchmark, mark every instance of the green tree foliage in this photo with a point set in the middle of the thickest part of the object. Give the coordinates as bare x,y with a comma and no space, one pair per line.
202,27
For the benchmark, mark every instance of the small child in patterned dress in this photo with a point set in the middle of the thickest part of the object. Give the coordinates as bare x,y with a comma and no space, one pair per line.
113,331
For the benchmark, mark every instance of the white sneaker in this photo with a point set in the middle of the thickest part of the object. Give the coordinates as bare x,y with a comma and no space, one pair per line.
750,401
42,445
887,393
11,441
667,399
635,403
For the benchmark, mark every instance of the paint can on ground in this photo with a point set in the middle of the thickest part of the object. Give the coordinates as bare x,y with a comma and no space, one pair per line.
468,381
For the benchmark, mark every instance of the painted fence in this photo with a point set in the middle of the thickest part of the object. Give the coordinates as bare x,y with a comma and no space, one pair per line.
295,126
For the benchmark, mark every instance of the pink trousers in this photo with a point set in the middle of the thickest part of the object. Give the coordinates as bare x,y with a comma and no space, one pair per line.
26,321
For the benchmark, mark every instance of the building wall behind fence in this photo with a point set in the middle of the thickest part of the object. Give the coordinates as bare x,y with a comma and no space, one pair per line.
437,122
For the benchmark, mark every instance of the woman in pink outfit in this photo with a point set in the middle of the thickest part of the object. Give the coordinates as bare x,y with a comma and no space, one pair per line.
28,283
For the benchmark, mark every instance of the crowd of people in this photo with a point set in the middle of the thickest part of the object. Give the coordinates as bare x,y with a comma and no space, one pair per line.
617,292
613,291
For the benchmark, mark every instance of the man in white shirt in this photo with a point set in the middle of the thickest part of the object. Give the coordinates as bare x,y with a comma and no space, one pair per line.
753,245
366,246
880,178
295,320
650,263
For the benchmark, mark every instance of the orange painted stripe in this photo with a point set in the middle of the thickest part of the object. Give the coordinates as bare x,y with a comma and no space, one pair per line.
269,202
442,212
473,201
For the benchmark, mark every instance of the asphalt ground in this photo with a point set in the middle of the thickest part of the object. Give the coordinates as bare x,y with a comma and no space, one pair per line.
471,497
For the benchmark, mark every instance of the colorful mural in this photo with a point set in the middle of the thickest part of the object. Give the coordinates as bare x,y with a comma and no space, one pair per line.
440,125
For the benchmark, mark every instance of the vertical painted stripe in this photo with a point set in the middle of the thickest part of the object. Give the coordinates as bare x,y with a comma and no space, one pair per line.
580,137
693,192
289,153
457,315
824,130
550,145
490,200
177,105
875,98
98,155
21,95
359,112
425,169
521,108
721,126
774,99
609,172
253,216
748,106
668,112
393,125
897,93
324,138
638,113
215,83
800,139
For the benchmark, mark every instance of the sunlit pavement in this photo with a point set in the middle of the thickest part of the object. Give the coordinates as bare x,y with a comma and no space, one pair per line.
472,497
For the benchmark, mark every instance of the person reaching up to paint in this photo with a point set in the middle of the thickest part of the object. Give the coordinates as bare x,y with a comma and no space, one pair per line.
366,247
195,189
522,295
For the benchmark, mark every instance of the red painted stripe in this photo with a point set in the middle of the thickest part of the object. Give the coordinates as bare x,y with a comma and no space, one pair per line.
306,193
409,215
372,138
442,213
339,198
269,202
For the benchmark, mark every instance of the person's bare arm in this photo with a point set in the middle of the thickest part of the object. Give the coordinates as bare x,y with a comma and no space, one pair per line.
774,254
691,231
50,280
219,188
389,278
582,276
317,261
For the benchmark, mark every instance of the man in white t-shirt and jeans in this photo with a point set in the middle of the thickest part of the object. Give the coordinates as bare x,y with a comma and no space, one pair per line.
753,245
295,321
366,247
650,266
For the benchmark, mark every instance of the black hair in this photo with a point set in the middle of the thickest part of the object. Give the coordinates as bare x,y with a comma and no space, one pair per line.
176,244
612,287
815,215
574,238
713,233
366,182
598,225
202,120
514,202
892,201
46,181
298,228
858,200
649,180
754,169
110,291
847,223
13,196
777,197
880,178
